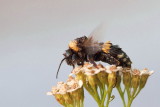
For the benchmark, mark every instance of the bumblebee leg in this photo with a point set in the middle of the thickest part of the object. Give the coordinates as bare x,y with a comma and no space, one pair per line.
74,57
91,60
73,66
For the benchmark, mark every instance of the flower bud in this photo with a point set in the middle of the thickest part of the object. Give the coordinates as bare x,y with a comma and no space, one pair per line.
103,77
75,89
112,70
67,98
135,78
143,81
81,76
144,77
91,75
112,79
60,99
118,81
126,77
92,80
58,93
77,94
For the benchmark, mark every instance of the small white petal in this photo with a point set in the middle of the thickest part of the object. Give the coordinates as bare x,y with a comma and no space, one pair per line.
80,83
71,74
49,93
151,72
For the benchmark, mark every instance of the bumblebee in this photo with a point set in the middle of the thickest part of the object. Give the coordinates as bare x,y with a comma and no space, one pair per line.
86,49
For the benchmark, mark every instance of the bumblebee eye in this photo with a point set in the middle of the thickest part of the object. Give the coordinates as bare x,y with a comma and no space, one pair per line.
68,53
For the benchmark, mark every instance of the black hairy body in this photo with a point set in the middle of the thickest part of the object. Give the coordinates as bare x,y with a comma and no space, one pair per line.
85,49
111,58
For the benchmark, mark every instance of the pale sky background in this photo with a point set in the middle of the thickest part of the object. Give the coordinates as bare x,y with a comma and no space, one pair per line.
35,33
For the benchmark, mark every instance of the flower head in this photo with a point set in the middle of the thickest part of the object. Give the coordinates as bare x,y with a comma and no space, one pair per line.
127,77
112,74
65,92
145,73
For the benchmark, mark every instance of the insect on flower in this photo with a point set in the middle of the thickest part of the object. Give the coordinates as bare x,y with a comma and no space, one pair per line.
88,49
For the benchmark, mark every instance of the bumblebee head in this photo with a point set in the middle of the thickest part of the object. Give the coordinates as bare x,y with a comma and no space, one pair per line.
76,44
68,56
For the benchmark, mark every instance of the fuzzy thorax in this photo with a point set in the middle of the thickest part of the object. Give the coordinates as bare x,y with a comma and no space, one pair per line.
73,45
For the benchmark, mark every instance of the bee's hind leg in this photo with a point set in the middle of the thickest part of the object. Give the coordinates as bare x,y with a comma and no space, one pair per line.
91,60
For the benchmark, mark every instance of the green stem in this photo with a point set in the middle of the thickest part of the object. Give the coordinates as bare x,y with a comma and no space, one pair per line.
109,95
134,94
93,93
129,103
103,98
128,93
121,95
69,105
96,95
101,92
81,103
137,93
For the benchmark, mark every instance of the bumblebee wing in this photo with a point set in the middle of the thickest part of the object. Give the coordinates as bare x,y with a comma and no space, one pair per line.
99,32
91,46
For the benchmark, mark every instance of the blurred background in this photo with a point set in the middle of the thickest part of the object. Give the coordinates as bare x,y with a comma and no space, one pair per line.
35,33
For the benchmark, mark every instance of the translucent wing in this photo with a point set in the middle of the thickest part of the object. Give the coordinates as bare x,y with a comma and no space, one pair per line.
92,44
99,32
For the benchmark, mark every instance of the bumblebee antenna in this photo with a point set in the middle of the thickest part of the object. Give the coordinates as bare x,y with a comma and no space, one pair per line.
59,67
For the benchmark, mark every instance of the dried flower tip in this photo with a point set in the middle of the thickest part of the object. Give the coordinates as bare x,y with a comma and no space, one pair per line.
75,88
49,93
113,68
101,67
136,72
63,89
73,84
55,90
59,84
146,72
126,70
91,70
76,70
88,65
70,78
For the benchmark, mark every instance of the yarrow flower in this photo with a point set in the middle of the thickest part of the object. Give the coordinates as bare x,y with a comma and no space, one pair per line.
69,94
99,81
